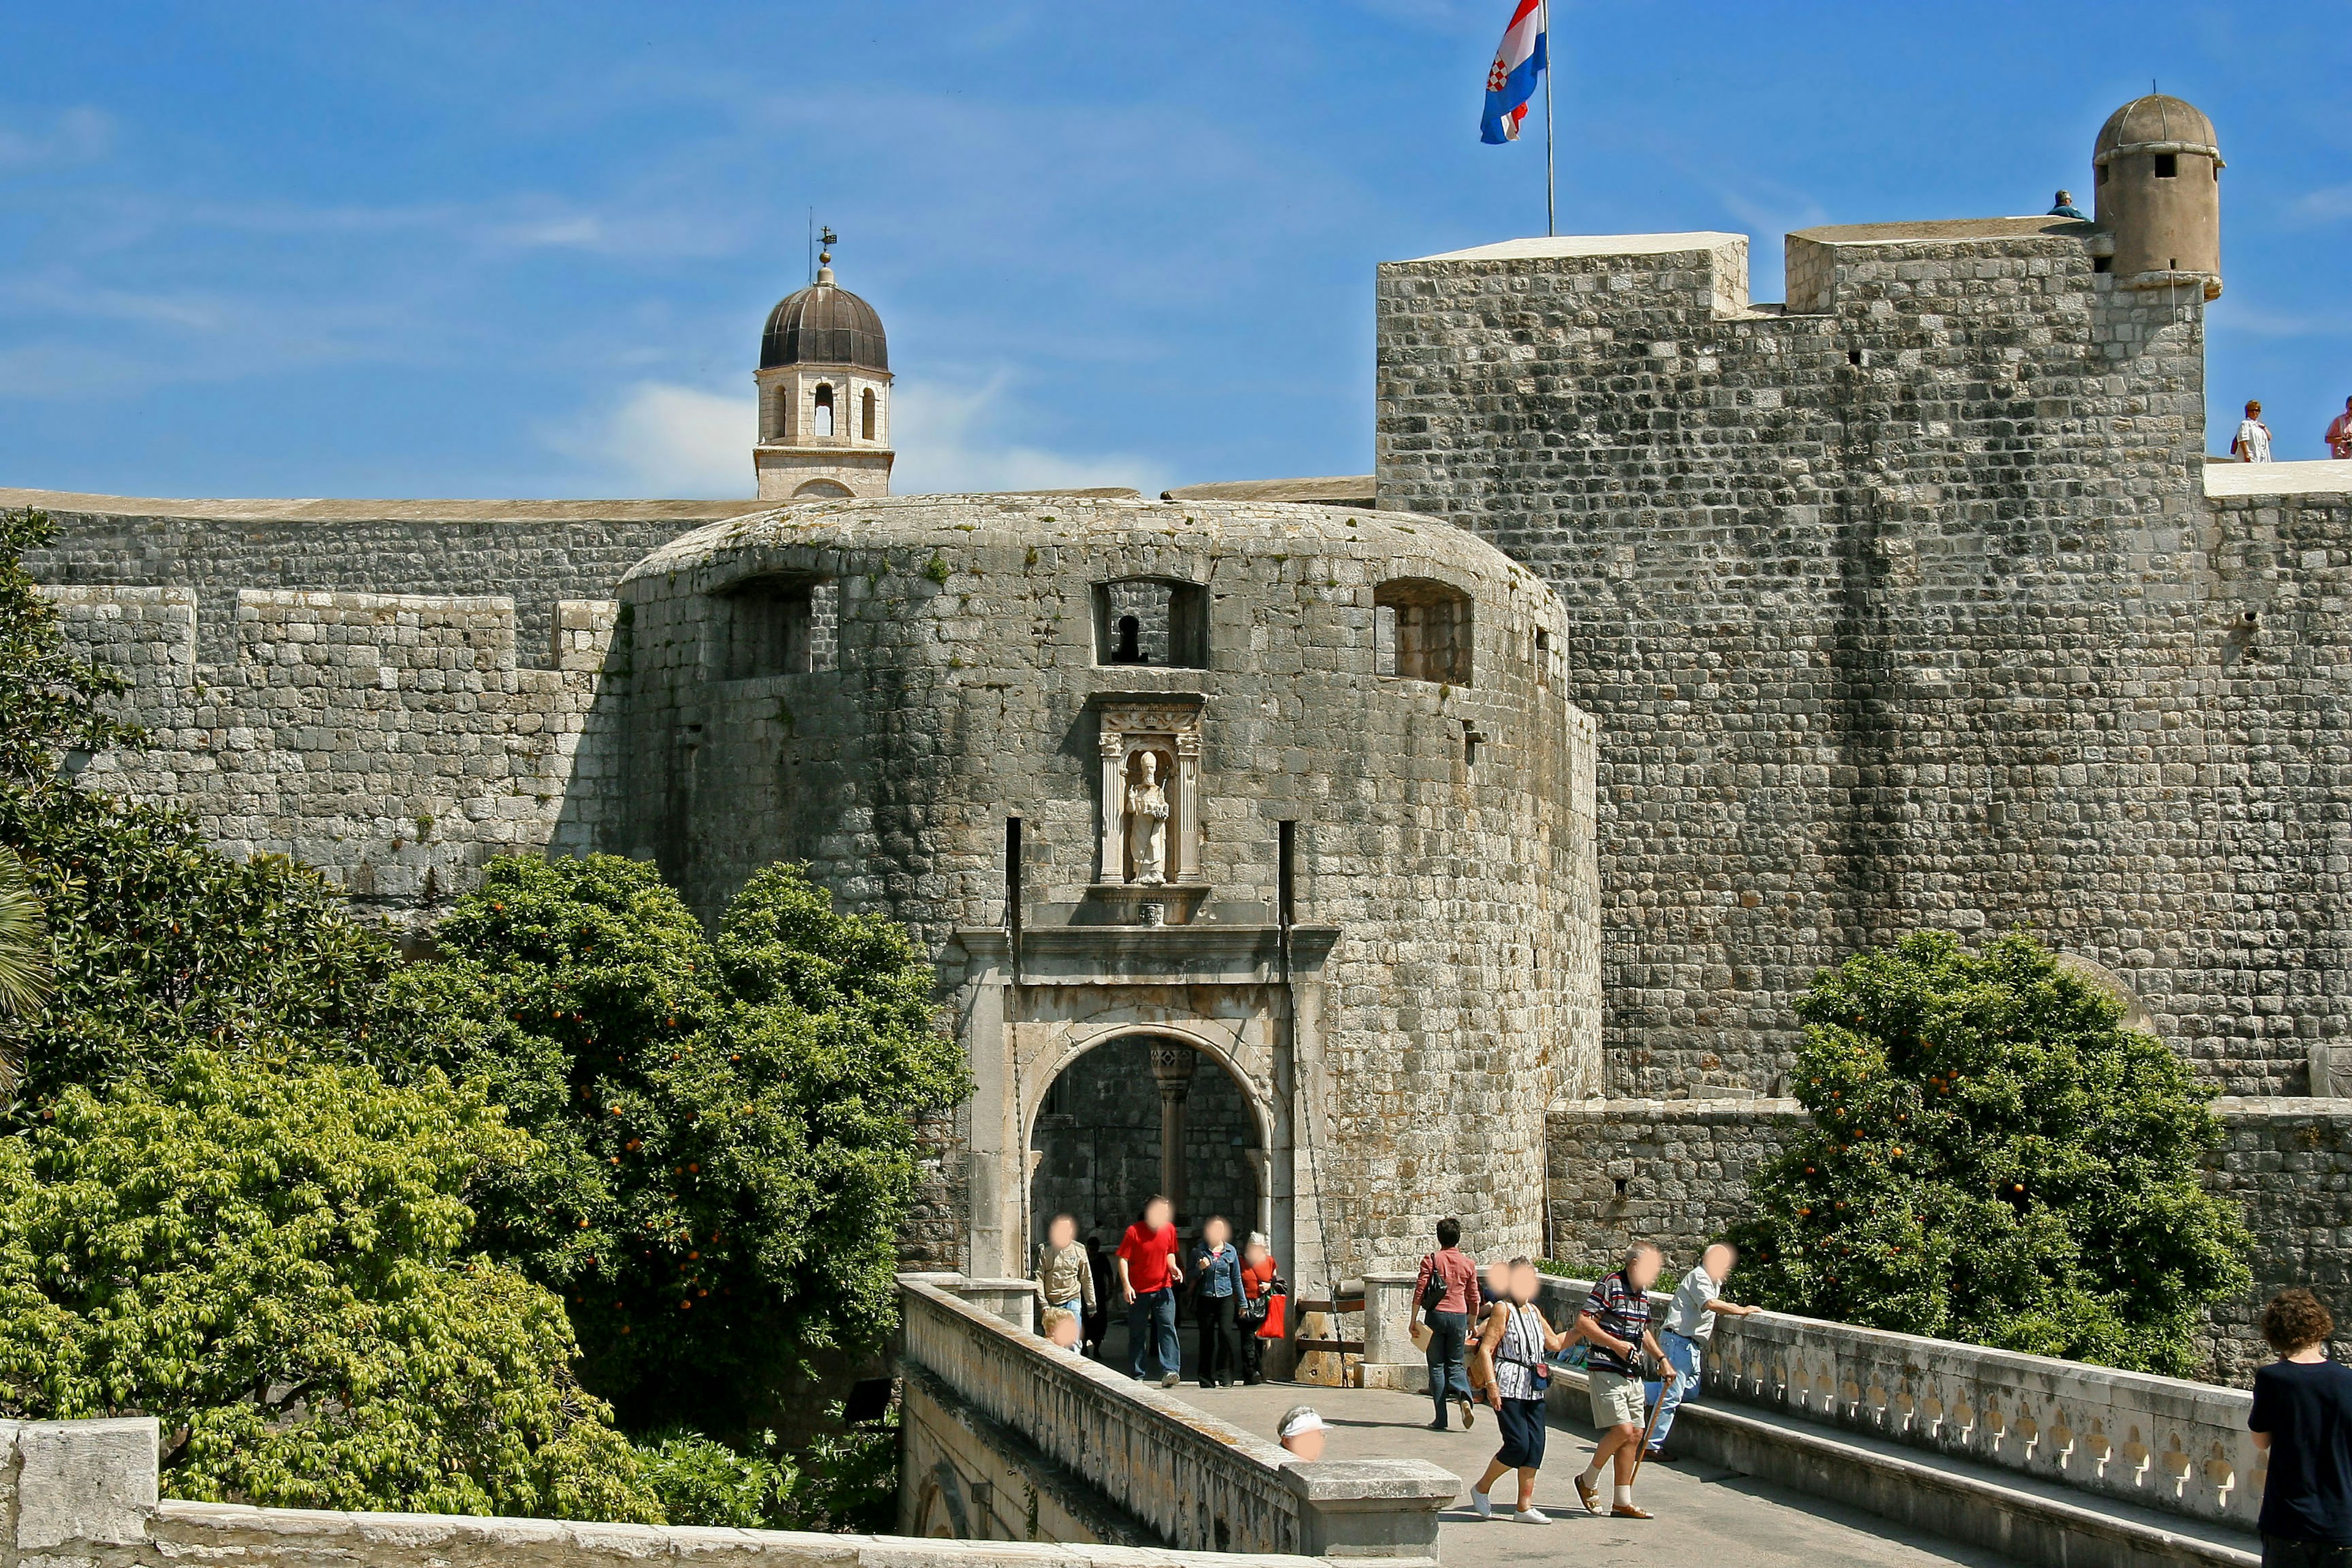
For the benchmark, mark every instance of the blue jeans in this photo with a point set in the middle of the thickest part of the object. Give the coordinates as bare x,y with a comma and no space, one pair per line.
1151,1320
1682,1355
1447,1333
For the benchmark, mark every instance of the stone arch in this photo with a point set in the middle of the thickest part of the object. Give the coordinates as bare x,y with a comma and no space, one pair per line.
821,489
822,414
1128,1101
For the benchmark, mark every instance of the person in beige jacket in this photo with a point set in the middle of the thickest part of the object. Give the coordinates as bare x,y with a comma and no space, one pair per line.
1064,1271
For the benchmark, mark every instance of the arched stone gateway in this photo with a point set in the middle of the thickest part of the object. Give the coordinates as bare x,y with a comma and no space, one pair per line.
1144,1112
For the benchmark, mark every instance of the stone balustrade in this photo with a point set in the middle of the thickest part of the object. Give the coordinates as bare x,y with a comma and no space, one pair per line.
2159,1442
1183,1477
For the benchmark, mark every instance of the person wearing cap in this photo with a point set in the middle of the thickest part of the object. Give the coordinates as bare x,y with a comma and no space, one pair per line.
1301,1431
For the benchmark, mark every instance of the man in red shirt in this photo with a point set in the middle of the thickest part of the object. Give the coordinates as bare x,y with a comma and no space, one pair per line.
2340,433
1148,1278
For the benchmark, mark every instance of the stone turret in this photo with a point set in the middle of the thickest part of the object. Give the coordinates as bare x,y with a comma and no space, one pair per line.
2157,173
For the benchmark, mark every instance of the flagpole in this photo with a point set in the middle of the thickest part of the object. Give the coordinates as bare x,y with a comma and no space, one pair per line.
1551,221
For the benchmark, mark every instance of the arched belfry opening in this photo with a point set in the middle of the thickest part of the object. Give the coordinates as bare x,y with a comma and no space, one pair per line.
1143,1113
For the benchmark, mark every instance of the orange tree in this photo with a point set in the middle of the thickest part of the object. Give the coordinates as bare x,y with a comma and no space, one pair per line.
1992,1157
728,1124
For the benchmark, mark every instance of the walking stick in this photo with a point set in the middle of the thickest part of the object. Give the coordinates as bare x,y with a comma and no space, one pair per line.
1643,1452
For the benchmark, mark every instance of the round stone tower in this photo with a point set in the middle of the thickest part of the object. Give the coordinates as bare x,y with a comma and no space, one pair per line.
1254,843
2157,173
824,395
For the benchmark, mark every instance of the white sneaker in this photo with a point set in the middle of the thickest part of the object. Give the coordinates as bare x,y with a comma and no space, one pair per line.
1481,1504
1532,1516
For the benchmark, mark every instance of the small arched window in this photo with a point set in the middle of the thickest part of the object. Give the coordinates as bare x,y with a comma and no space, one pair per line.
823,410
866,415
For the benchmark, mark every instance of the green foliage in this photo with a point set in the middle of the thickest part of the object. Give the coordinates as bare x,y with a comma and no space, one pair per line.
1993,1158
850,1483
726,1126
271,1263
701,1480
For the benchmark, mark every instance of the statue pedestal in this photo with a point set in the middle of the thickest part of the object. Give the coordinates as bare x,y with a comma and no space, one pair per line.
1121,903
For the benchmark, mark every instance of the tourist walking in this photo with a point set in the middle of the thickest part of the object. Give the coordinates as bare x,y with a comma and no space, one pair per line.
1259,1317
1684,1336
2303,1419
1148,1278
1064,1276
1446,1295
2253,442
2340,433
1216,1303
1616,1323
1514,1356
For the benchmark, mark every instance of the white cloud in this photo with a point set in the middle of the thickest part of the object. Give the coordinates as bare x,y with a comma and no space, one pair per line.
75,136
663,439
2325,205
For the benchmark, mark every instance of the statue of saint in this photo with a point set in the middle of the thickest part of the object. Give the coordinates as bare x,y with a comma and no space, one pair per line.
1147,825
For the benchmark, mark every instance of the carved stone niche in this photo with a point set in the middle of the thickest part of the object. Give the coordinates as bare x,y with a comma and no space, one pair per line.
1166,730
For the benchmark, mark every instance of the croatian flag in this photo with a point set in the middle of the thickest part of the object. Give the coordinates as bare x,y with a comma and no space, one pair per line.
1512,80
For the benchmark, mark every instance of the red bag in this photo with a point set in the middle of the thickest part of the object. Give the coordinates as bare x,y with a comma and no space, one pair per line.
1272,1327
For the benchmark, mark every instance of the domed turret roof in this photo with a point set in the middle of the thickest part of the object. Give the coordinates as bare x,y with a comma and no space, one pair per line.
824,324
2154,123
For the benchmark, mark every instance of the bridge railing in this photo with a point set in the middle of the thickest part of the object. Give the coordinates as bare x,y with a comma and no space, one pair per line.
1192,1480
2161,1442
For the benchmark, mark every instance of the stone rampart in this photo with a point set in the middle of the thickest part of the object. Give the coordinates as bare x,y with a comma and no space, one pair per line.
1899,606
82,1494
1168,1473
393,741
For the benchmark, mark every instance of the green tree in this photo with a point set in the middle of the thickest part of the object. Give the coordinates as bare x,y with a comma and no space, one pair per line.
727,1126
274,1265
1993,1158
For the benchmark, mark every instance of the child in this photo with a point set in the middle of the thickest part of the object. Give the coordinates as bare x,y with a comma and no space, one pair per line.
1062,1329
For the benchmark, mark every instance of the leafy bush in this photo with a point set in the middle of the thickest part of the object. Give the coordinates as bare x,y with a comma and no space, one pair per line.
271,1263
850,1481
1993,1158
701,1480
728,1151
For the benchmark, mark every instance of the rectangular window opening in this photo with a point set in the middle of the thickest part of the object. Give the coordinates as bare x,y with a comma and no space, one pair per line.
1152,622
778,626
1286,882
2168,165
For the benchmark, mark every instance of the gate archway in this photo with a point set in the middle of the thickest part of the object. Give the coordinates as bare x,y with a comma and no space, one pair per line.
1146,1112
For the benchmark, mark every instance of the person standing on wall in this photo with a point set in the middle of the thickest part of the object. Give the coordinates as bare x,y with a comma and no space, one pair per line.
1258,1317
2303,1419
1063,1273
1216,1305
2253,442
2340,433
1616,1323
1446,1295
1690,1324
1514,1357
1148,1278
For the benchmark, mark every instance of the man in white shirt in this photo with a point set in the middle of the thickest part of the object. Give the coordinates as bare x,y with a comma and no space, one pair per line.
1690,1324
2253,442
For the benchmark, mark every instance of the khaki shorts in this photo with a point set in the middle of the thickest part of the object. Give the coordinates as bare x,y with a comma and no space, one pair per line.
1617,1400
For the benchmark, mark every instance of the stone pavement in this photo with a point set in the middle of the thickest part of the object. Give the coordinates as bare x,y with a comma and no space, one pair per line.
1706,1515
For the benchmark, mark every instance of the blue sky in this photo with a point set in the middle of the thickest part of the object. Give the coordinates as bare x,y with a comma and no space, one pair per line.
526,249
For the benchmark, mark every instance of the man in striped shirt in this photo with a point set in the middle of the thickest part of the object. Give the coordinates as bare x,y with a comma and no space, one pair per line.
1616,1323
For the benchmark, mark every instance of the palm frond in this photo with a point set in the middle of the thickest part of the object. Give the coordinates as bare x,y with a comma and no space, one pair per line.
25,972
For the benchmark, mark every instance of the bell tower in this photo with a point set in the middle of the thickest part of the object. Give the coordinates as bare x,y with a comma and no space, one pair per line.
824,394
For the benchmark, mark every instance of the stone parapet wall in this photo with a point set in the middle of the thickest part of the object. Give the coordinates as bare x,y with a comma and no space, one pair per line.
1177,1476
83,1494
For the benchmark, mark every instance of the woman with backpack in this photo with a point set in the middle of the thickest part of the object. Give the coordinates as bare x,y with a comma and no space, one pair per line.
1447,1297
